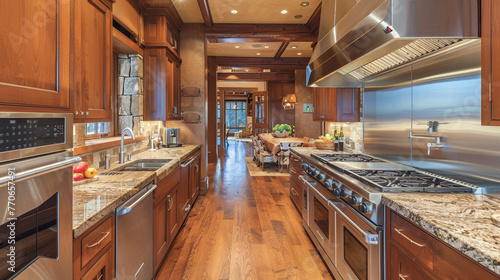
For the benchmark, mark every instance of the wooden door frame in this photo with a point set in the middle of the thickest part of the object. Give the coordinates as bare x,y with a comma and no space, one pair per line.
221,126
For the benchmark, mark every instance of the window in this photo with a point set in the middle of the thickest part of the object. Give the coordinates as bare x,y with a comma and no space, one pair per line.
97,129
236,115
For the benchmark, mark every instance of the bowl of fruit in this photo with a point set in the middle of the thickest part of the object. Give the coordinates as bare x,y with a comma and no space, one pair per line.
83,174
325,142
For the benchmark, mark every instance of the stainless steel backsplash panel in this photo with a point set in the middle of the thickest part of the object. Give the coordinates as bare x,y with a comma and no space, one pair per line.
472,151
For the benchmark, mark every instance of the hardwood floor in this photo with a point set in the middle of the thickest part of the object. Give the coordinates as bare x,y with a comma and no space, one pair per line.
244,228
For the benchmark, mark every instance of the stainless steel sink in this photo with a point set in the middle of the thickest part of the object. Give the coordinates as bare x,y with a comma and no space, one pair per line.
145,165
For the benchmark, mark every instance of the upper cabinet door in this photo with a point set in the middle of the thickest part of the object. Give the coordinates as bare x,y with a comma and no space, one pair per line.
35,55
490,61
336,104
93,58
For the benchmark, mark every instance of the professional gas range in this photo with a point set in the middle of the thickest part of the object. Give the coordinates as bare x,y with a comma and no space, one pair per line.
345,216
360,180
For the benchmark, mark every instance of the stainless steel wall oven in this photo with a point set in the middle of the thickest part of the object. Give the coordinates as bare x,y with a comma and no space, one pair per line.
36,195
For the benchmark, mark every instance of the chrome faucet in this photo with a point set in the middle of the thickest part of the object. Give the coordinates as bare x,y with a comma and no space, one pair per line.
125,131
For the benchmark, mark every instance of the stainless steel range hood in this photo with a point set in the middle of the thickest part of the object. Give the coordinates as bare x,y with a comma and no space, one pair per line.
378,35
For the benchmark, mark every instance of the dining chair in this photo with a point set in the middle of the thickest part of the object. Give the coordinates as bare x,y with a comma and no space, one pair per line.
264,156
284,154
255,149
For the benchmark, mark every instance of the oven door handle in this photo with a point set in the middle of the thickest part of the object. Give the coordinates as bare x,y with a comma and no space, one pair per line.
41,169
370,238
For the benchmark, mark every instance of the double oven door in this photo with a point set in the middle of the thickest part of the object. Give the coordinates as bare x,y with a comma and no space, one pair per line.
352,245
36,218
321,218
359,246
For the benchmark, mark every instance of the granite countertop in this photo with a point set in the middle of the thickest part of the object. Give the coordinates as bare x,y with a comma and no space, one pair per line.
94,200
307,151
461,220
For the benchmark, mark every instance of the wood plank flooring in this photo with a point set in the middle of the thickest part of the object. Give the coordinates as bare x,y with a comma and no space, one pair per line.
244,228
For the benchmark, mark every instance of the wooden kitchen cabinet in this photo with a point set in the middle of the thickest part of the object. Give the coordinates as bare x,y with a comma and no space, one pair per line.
413,253
296,190
161,85
166,217
92,60
490,63
94,251
336,104
35,64
195,180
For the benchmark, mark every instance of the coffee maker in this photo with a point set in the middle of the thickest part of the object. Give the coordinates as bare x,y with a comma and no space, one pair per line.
172,137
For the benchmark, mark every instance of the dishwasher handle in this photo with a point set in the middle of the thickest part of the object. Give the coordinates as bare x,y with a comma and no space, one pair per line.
188,163
126,209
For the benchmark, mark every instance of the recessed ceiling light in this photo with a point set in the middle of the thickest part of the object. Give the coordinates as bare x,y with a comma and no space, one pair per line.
237,47
284,11
294,47
258,53
234,12
266,46
298,16
304,4
299,53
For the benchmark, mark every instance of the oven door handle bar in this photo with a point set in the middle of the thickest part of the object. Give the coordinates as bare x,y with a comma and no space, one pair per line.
370,238
41,169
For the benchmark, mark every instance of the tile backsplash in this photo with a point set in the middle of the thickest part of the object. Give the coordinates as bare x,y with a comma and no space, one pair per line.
353,133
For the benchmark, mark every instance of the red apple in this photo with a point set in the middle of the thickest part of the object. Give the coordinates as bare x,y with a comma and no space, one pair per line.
78,177
80,167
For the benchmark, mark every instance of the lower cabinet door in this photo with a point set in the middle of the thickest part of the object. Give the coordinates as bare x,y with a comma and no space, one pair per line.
102,269
172,215
403,268
160,243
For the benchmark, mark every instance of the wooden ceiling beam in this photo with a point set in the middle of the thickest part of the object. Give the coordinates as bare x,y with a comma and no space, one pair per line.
263,62
313,22
267,76
281,50
239,33
205,12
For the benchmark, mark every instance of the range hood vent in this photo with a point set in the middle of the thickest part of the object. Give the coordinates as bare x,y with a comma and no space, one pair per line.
408,53
377,35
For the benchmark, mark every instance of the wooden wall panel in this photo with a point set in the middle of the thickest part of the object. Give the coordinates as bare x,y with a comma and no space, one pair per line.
276,113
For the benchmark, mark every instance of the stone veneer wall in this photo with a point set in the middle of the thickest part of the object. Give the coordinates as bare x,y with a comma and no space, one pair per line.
130,92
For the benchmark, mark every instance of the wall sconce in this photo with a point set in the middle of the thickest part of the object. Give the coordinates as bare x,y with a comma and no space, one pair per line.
289,101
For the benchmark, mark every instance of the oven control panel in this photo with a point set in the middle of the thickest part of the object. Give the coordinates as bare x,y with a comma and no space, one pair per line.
24,133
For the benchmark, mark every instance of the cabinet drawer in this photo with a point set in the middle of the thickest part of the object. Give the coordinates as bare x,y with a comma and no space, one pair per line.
95,241
295,162
402,268
167,184
413,239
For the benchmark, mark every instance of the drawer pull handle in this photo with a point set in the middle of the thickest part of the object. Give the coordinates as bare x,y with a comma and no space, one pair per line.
402,277
293,171
294,192
399,231
170,202
100,240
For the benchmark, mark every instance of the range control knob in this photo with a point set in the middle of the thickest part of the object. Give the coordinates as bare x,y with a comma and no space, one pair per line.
320,176
345,192
366,208
311,170
355,200
305,166
336,192
328,184
316,173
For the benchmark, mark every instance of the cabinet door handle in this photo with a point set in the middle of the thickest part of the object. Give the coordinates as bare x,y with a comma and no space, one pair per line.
82,113
293,171
296,160
100,240
170,201
294,192
87,113
197,168
402,277
187,208
76,112
399,231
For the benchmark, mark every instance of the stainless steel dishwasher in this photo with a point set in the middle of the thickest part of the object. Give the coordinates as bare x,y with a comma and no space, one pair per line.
134,236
